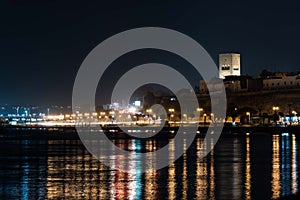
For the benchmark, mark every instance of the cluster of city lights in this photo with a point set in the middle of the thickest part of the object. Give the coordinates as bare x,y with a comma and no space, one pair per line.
132,115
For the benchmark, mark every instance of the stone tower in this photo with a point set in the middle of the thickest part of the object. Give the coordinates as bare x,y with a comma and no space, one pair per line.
229,65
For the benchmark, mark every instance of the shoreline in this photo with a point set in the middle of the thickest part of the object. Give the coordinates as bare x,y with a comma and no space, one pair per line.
70,133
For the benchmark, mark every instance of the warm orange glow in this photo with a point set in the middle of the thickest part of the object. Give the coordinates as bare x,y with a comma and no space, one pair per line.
201,173
171,109
111,112
275,108
149,110
94,114
248,170
172,172
199,109
184,176
275,168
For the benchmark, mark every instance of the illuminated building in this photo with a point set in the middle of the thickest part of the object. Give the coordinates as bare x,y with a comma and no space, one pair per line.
229,65
281,80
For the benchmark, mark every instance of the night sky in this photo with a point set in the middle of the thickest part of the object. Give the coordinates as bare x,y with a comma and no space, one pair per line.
44,42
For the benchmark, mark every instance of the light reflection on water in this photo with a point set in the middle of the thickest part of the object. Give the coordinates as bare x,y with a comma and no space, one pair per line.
294,165
252,167
276,167
248,170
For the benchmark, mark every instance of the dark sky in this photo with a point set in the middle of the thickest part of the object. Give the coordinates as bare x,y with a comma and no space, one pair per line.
44,42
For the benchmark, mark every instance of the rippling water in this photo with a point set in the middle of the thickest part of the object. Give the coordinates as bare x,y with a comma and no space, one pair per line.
253,167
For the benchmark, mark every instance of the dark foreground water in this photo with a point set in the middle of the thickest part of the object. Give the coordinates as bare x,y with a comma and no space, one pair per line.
253,167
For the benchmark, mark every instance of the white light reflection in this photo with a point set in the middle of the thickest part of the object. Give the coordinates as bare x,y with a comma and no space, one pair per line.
135,174
294,165
24,181
285,164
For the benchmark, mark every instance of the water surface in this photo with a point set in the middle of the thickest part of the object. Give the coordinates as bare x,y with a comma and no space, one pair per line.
252,167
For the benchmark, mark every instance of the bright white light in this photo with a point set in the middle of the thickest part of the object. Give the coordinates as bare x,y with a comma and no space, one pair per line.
285,134
137,103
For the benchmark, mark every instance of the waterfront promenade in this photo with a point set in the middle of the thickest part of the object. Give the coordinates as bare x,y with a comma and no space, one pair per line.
113,131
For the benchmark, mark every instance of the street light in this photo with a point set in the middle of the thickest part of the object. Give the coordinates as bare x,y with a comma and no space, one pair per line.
204,118
249,116
135,118
185,115
171,110
149,111
112,115
154,117
295,113
275,108
111,112
199,110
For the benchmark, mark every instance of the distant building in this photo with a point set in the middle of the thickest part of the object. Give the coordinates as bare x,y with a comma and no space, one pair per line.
230,74
215,84
242,84
233,84
281,80
229,65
